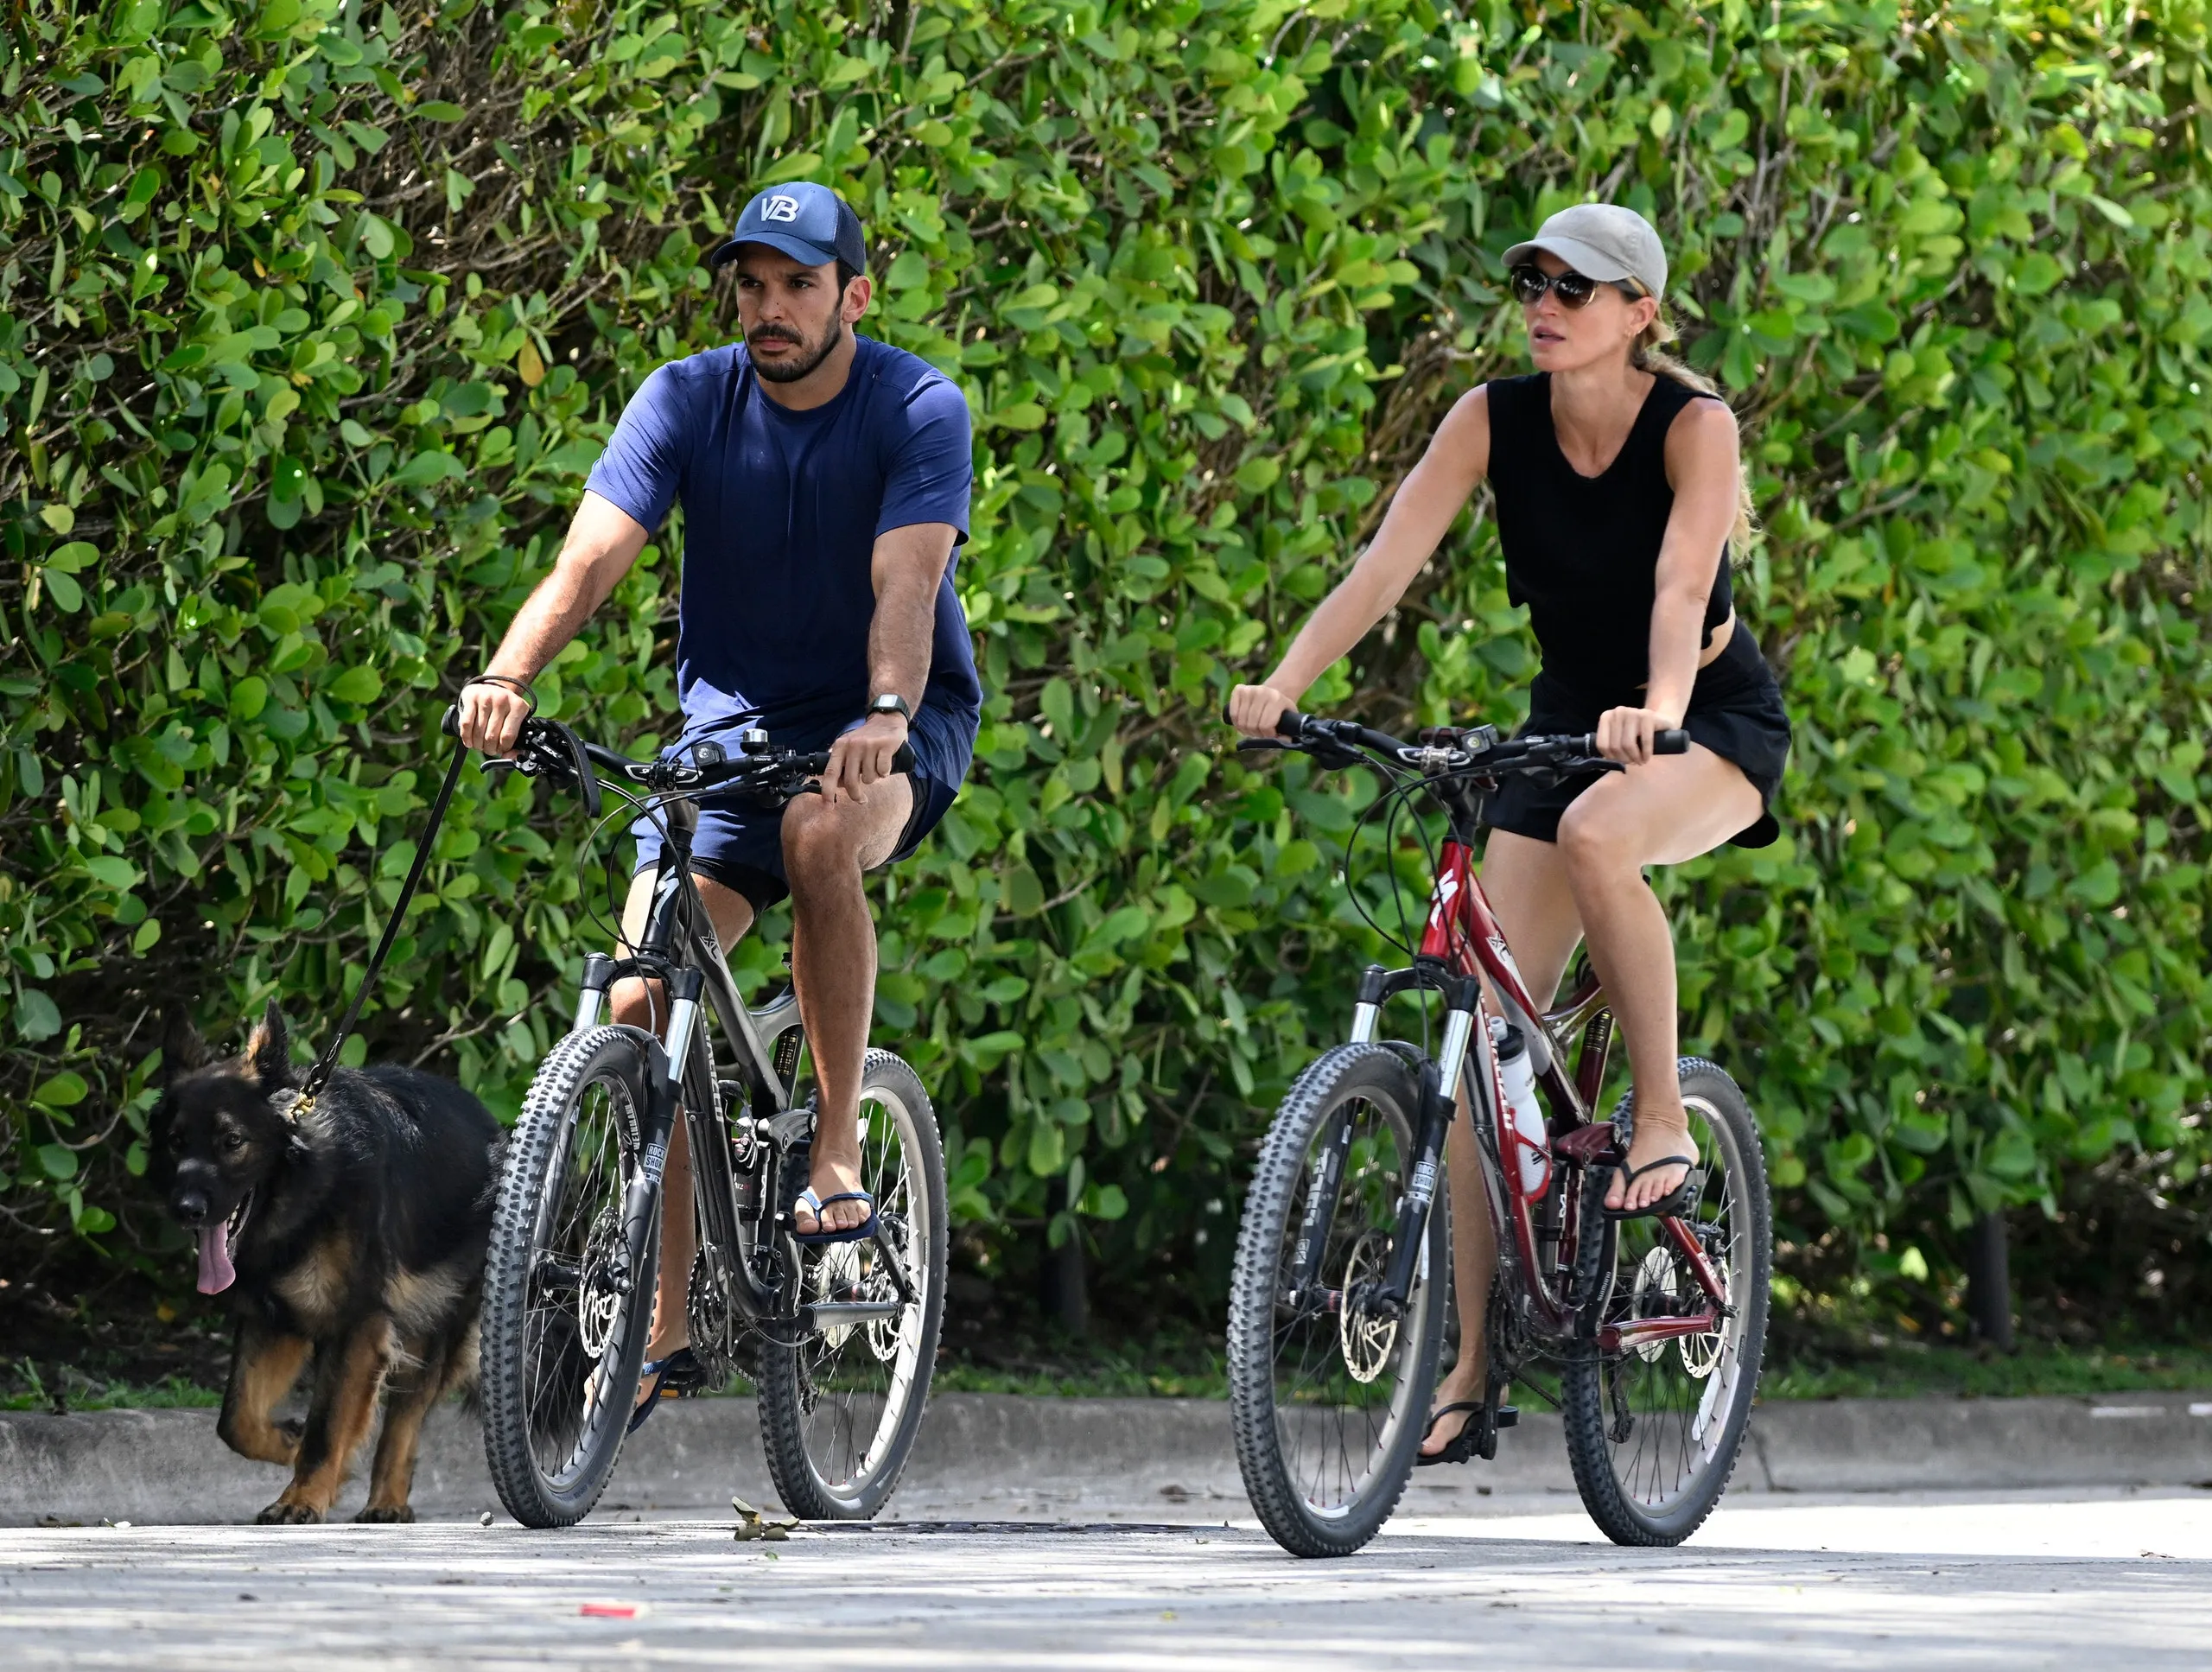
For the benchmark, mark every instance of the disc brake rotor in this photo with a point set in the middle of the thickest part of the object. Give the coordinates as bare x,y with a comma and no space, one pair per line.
1365,1338
883,1332
599,1303
1657,1285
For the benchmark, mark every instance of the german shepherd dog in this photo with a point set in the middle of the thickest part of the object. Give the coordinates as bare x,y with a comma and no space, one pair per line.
355,1230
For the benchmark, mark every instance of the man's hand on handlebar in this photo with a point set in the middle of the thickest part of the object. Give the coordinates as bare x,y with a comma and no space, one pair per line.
492,717
1256,710
1628,734
863,756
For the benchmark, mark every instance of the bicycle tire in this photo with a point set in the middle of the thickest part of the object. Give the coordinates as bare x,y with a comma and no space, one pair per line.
1646,1508
794,1381
522,1396
1269,1457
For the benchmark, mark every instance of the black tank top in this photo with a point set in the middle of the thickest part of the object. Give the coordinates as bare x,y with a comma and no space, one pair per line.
1583,551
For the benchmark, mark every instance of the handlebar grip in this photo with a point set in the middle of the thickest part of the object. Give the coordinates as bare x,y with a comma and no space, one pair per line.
904,760
1676,742
1289,725
450,723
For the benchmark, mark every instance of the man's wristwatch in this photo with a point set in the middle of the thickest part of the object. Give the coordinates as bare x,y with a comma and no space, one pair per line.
891,703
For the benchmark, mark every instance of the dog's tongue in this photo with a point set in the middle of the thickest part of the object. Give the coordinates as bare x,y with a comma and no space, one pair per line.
216,1272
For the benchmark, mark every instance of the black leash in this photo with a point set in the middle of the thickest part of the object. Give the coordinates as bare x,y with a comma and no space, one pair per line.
319,1075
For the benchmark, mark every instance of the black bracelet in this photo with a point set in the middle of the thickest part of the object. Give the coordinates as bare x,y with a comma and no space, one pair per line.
520,688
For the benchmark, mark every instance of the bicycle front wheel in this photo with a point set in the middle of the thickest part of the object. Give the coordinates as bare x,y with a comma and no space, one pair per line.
1328,1393
1654,1429
568,1280
840,1409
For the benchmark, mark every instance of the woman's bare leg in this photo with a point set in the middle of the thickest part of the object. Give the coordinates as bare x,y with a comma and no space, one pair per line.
1668,811
643,1004
1525,881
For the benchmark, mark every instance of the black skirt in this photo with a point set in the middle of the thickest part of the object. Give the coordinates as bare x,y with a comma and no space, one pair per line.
1735,711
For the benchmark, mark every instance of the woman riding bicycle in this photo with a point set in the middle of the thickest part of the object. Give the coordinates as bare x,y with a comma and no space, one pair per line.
1618,493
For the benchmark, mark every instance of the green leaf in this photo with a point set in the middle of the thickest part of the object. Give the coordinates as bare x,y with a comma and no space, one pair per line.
63,1090
799,165
438,109
37,1016
357,685
59,1160
68,597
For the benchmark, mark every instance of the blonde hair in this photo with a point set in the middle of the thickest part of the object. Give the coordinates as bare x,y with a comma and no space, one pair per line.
1648,353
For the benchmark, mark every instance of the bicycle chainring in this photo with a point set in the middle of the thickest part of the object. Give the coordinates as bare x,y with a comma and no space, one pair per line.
706,1305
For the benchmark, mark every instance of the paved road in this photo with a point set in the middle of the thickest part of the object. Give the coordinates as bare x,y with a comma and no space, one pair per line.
2017,1582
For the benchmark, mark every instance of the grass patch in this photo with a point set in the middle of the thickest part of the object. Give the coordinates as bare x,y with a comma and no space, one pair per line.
1910,1370
66,1388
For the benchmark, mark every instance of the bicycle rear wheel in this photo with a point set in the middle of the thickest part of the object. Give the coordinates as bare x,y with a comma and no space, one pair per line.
1328,1397
568,1281
840,1409
1653,1431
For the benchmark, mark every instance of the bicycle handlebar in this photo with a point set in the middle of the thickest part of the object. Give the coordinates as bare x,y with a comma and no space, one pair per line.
549,749
1338,742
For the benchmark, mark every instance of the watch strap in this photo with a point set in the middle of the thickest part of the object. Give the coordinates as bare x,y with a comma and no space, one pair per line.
891,703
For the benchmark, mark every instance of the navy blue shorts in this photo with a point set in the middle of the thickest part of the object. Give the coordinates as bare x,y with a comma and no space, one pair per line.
740,843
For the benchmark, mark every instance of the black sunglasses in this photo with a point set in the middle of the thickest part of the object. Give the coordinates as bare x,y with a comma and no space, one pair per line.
1573,289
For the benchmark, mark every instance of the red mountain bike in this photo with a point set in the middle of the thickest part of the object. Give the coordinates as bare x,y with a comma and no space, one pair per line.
1654,1327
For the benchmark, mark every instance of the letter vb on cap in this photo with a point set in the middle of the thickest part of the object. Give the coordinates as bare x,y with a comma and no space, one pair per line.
806,222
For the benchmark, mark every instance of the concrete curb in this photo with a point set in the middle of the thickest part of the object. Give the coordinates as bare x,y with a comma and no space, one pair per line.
987,1454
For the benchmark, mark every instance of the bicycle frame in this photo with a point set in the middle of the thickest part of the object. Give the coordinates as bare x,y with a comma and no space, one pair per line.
679,949
1463,947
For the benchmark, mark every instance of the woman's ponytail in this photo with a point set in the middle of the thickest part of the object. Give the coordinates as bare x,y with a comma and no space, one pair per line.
1647,353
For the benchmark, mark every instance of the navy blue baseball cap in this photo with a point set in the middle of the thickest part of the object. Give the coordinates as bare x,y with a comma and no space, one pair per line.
807,222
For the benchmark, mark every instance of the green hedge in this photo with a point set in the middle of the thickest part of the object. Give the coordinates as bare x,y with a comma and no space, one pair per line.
313,316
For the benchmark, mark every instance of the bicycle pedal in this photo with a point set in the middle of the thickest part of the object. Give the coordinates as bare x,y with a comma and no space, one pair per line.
1509,1417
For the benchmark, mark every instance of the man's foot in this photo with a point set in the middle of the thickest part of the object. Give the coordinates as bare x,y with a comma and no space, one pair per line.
1658,1135
831,1175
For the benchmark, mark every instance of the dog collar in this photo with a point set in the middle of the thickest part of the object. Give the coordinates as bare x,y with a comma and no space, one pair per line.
294,1106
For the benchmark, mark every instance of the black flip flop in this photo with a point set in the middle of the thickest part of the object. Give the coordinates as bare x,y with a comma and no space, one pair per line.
1675,1204
1468,1443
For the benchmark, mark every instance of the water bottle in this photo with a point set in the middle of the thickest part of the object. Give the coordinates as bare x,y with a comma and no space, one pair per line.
1526,1138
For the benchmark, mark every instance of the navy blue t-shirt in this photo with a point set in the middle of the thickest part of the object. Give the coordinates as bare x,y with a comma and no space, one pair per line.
781,514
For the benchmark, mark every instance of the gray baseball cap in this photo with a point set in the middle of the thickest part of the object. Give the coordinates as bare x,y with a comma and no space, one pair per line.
1601,241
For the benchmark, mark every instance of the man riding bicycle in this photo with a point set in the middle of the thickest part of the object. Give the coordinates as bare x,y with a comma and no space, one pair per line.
825,478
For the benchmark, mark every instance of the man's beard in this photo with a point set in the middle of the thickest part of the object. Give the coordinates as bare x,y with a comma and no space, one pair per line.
792,371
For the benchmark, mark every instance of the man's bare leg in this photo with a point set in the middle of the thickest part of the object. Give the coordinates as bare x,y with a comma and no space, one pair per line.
643,1004
828,850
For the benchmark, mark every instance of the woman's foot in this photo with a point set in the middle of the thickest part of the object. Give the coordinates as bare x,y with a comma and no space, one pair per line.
1465,1383
1657,1136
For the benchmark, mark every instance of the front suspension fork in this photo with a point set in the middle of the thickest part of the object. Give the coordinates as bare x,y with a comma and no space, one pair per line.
1440,1086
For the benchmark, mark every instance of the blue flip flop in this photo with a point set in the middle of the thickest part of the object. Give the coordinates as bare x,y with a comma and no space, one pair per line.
815,1205
679,1368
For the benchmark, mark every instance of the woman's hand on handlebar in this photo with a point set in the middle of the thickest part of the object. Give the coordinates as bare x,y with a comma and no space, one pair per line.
1626,734
1256,710
492,717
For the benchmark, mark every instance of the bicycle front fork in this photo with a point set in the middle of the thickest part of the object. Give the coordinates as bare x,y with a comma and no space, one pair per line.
1440,1087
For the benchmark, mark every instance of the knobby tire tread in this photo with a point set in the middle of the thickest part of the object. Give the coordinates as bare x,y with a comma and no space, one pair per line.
1275,1179
783,1414
547,1109
1589,1450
